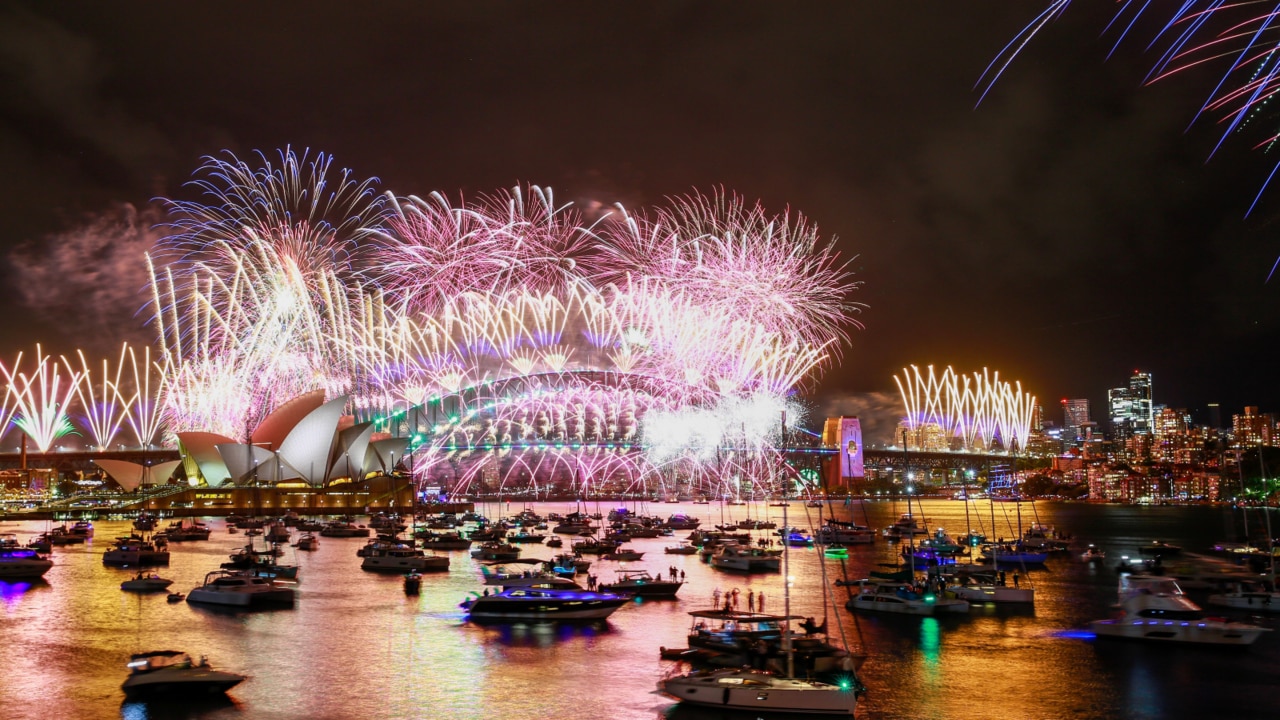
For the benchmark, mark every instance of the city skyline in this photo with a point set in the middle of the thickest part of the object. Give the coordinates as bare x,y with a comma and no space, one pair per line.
1064,232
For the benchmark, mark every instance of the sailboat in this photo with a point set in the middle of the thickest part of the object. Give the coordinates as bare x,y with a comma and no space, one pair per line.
762,691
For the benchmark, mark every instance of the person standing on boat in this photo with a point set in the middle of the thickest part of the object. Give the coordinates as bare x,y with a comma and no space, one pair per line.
760,601
735,598
751,600
715,598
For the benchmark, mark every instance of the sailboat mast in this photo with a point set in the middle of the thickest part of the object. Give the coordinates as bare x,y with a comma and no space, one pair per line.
786,600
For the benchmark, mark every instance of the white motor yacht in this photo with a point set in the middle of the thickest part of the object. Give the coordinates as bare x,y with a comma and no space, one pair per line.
1154,608
760,691
398,557
743,558
906,526
146,583
244,589
528,603
135,552
19,562
1093,553
903,599
173,674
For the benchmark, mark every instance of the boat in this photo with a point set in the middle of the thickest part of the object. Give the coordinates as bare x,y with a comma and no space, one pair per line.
176,597
133,551
1154,608
623,555
412,582
307,542
683,548
19,562
532,603
905,526
1011,554
554,542
445,541
591,546
146,583
173,674
277,533
1093,553
398,557
641,584
244,589
798,538
680,521
64,536
344,530
902,599
260,562
41,544
181,532
759,691
743,558
978,587
1248,595
1042,537
568,564
496,551
1159,549
835,532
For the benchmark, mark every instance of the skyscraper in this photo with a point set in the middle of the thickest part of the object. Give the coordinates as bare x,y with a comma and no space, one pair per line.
1075,414
1131,407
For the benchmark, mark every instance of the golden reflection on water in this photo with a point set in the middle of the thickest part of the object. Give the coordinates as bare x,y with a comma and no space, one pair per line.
355,646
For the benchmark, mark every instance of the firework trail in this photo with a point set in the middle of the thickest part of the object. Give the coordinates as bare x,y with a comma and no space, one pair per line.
973,409
1241,38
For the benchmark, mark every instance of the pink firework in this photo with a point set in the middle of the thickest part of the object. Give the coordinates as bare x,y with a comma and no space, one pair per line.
432,252
736,260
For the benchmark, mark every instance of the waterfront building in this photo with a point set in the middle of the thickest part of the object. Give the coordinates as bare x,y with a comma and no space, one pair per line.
1252,429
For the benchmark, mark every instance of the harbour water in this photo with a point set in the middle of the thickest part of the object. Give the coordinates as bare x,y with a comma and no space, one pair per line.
355,646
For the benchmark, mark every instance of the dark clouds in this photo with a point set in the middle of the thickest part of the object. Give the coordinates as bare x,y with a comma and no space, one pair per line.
1066,232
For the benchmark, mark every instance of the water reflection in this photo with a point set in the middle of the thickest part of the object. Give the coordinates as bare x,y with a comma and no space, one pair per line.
200,708
541,634
356,646
12,592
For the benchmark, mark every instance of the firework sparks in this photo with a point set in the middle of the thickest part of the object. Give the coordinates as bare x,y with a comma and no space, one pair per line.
972,409
491,331
1241,38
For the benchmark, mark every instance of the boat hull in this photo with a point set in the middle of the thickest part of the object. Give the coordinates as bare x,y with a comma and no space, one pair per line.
994,594
1203,632
25,570
405,564
1255,601
274,598
759,692
880,603
193,681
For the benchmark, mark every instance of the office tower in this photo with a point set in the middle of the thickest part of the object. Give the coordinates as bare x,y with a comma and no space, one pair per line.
1131,412
1215,416
1075,413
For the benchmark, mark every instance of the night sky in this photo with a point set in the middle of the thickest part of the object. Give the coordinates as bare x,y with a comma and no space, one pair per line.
1067,231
